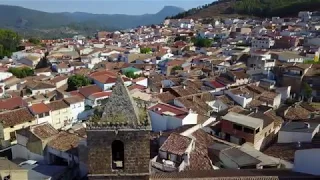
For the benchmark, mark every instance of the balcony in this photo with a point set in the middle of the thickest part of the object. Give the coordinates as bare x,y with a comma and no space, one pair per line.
166,166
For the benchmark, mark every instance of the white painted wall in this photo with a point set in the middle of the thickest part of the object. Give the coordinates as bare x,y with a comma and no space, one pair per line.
5,75
44,119
307,161
162,122
42,91
291,137
59,117
284,91
143,82
158,122
19,151
76,109
239,99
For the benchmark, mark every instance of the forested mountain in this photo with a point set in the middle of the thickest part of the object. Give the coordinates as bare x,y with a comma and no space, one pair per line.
259,8
33,22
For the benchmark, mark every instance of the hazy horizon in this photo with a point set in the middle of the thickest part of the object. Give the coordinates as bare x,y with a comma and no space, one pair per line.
129,7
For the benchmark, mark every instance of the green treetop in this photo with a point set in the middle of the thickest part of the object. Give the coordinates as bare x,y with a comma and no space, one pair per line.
76,81
145,50
21,72
9,41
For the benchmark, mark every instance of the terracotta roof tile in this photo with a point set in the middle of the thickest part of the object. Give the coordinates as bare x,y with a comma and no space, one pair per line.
165,97
58,79
73,100
64,141
165,109
176,144
39,108
297,113
57,105
286,151
102,94
86,91
43,131
12,103
15,117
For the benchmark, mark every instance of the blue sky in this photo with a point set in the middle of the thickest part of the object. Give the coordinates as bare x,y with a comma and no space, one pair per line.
135,7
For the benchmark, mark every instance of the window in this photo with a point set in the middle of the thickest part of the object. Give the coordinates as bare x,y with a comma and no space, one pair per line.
13,136
257,130
41,115
237,127
47,114
247,130
79,105
117,154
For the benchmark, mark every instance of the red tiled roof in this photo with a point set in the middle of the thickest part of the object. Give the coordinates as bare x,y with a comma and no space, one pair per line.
74,99
176,144
175,63
64,141
39,108
15,117
58,79
139,79
43,131
105,79
57,105
12,103
107,73
86,91
180,43
136,86
217,84
102,94
76,93
162,109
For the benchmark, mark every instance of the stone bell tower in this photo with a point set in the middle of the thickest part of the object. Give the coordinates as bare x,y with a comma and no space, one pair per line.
118,143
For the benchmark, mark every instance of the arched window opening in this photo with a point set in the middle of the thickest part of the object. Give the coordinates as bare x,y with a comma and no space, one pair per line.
117,155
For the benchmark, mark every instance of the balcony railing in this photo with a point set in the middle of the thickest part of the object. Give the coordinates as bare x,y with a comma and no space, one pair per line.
163,167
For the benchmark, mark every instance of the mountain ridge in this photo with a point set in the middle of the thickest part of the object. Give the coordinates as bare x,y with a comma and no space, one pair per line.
35,22
257,8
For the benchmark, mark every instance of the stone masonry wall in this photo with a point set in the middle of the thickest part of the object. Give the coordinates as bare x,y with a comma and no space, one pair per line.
136,152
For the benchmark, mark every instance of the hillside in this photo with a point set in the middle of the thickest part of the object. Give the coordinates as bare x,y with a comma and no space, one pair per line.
33,22
258,8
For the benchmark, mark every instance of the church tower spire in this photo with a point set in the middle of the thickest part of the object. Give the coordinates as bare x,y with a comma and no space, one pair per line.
118,142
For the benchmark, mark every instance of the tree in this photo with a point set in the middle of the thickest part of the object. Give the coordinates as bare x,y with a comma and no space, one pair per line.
9,41
145,50
43,63
175,68
307,90
21,72
34,41
180,38
76,81
202,42
130,74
